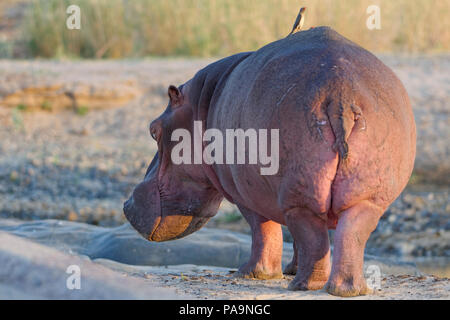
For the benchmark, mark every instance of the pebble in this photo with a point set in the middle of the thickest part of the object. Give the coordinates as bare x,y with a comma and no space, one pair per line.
72,216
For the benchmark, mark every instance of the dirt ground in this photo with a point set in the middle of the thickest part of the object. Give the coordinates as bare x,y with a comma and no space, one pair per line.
117,263
202,282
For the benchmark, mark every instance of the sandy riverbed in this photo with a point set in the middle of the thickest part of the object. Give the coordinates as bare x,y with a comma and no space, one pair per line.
36,255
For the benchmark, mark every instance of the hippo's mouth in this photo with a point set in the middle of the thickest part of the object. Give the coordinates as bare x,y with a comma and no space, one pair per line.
143,208
162,213
154,225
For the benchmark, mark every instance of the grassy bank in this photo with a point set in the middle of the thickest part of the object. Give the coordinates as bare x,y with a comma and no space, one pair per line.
135,28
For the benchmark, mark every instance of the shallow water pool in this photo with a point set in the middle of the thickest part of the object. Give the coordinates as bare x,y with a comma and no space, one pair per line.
438,266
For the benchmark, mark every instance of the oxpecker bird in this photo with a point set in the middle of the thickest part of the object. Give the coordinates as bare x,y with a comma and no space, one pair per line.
299,21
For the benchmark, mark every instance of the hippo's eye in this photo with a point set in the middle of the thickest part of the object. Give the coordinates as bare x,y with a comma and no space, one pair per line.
153,134
155,129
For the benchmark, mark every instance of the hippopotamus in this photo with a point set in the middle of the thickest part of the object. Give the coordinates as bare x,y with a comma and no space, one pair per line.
346,151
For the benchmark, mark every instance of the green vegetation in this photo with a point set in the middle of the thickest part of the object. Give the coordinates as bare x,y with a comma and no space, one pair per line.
46,106
82,110
183,277
22,107
414,179
229,217
6,49
17,119
14,176
119,28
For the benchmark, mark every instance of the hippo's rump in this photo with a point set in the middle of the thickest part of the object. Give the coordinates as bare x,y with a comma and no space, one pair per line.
328,97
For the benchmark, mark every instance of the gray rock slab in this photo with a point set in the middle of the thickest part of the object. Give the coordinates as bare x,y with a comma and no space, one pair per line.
34,271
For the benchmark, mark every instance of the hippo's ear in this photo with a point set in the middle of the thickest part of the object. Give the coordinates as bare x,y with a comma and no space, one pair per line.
175,95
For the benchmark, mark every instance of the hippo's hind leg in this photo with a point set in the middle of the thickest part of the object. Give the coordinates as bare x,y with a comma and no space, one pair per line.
267,248
291,268
353,230
310,234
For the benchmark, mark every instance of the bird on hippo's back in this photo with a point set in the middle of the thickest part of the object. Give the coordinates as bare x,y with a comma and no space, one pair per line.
299,22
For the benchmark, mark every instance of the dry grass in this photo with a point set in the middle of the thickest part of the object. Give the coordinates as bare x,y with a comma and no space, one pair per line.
135,28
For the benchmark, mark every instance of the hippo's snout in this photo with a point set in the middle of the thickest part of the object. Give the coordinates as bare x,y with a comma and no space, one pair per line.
169,211
136,219
126,205
128,209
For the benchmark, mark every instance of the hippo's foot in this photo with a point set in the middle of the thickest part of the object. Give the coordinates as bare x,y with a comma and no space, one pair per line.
291,269
348,287
299,284
256,271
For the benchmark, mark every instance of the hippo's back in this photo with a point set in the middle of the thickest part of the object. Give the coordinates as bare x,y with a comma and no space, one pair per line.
347,131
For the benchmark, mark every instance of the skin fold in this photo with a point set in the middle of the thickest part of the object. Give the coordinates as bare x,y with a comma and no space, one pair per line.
346,151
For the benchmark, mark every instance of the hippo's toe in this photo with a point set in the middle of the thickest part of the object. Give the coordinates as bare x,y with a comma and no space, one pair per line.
348,288
251,271
301,285
290,269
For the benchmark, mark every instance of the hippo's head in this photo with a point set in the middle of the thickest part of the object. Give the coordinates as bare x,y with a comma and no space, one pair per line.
174,200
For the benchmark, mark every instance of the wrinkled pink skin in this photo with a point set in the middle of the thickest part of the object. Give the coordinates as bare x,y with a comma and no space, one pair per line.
347,148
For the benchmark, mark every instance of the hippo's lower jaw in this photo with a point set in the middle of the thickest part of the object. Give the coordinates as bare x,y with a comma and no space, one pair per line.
176,227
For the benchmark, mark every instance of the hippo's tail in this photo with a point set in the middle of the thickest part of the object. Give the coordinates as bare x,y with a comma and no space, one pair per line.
342,114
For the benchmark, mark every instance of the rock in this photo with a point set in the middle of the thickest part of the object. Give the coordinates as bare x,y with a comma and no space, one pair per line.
72,216
123,244
62,91
34,271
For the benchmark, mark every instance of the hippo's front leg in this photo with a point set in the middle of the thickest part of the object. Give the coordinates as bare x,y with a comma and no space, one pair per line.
267,248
